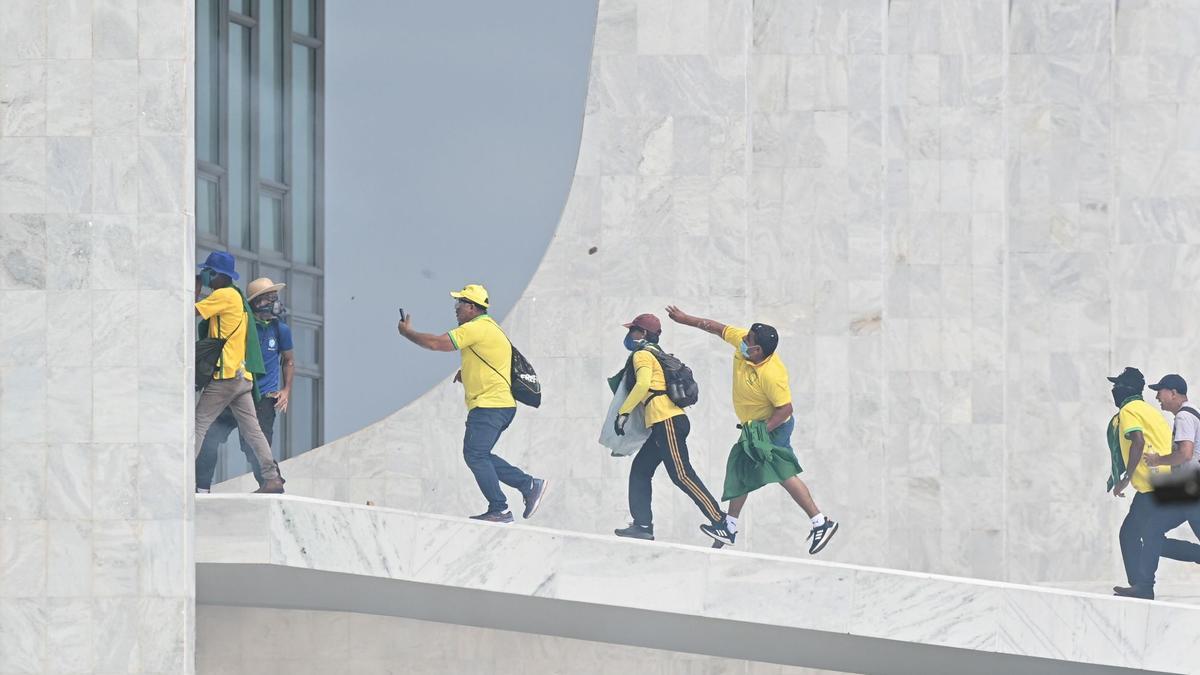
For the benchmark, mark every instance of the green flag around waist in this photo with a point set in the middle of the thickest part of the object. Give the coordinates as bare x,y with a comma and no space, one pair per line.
755,460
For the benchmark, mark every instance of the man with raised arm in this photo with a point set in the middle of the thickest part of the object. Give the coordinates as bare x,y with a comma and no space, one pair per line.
762,401
486,369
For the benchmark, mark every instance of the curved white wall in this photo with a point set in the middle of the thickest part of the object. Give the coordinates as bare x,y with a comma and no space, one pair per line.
952,211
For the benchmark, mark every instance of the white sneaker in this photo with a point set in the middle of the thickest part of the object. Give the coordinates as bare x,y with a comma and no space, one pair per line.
203,491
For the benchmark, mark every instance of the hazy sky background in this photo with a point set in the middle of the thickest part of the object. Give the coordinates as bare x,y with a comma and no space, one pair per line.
451,132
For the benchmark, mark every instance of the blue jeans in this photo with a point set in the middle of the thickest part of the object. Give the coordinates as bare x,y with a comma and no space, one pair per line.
782,436
1155,543
484,426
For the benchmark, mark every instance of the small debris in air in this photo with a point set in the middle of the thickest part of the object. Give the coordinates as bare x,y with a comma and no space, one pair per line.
592,250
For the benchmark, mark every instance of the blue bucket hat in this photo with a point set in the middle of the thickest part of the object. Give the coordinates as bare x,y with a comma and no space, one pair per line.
221,263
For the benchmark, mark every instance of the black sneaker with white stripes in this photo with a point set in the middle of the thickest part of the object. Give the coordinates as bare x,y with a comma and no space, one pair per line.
821,535
720,533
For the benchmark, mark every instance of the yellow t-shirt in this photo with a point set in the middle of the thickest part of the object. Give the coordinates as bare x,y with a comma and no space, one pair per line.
226,314
650,377
1141,416
758,388
486,363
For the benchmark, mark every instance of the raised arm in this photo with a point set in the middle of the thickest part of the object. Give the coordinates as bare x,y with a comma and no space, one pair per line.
708,325
437,343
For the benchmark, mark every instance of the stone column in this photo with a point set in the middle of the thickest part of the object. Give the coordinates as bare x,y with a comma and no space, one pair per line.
96,254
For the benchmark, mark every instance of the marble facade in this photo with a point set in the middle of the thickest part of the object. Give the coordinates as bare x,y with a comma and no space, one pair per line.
96,248
304,554
345,643
961,215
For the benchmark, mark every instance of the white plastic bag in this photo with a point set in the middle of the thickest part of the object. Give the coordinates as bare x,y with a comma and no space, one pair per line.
636,432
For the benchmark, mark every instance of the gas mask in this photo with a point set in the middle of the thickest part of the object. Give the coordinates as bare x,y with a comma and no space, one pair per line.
272,308
633,345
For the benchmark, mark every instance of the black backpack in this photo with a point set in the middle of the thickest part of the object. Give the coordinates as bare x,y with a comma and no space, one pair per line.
522,380
682,388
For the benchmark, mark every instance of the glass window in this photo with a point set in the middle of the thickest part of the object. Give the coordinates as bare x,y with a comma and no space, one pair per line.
307,339
208,81
305,293
303,154
245,270
303,20
239,136
301,417
207,206
270,224
258,174
270,96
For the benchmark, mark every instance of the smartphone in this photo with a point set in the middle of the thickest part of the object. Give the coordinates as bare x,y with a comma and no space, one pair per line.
401,313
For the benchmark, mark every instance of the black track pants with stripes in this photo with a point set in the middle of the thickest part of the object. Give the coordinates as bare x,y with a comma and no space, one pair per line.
668,445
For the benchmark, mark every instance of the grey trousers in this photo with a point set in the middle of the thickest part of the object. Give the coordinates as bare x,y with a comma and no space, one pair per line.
238,395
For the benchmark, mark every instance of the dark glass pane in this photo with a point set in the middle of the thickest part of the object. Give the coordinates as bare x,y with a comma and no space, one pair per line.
207,207
303,20
274,274
301,414
270,95
239,136
270,224
303,154
208,93
307,341
245,270
305,293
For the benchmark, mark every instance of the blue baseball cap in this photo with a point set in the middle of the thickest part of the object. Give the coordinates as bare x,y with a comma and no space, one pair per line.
1173,382
221,263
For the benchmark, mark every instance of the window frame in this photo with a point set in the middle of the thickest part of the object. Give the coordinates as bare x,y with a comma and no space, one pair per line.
218,173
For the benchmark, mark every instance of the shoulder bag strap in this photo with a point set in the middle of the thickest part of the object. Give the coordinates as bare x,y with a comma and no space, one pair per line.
507,380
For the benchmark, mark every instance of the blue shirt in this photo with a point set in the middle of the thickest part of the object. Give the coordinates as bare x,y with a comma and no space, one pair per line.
275,337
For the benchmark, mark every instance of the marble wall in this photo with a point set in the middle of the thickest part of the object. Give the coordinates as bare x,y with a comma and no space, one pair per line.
961,214
96,227
230,640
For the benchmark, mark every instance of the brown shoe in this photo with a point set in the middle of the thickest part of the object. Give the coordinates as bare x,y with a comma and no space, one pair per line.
274,486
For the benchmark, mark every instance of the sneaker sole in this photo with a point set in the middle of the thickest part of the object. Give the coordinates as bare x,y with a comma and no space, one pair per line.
825,541
538,502
633,536
719,540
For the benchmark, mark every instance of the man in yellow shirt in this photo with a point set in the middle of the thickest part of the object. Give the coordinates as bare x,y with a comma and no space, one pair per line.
232,385
485,376
761,395
1140,431
669,427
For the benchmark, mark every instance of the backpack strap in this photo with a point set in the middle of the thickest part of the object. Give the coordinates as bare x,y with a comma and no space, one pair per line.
629,373
1189,409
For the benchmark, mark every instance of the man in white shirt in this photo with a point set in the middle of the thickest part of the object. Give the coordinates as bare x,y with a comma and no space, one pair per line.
1184,458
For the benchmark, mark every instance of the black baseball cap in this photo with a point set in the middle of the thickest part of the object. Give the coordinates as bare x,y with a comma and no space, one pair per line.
766,337
1130,377
1173,382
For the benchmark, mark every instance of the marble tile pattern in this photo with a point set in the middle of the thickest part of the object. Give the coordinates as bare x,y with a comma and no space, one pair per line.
961,215
850,600
96,574
328,643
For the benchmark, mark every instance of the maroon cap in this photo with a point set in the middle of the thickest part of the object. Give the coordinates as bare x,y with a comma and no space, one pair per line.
647,322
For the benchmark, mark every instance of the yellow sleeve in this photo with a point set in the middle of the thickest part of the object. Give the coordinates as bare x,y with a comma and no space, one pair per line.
1130,422
734,335
777,390
643,370
466,335
220,301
